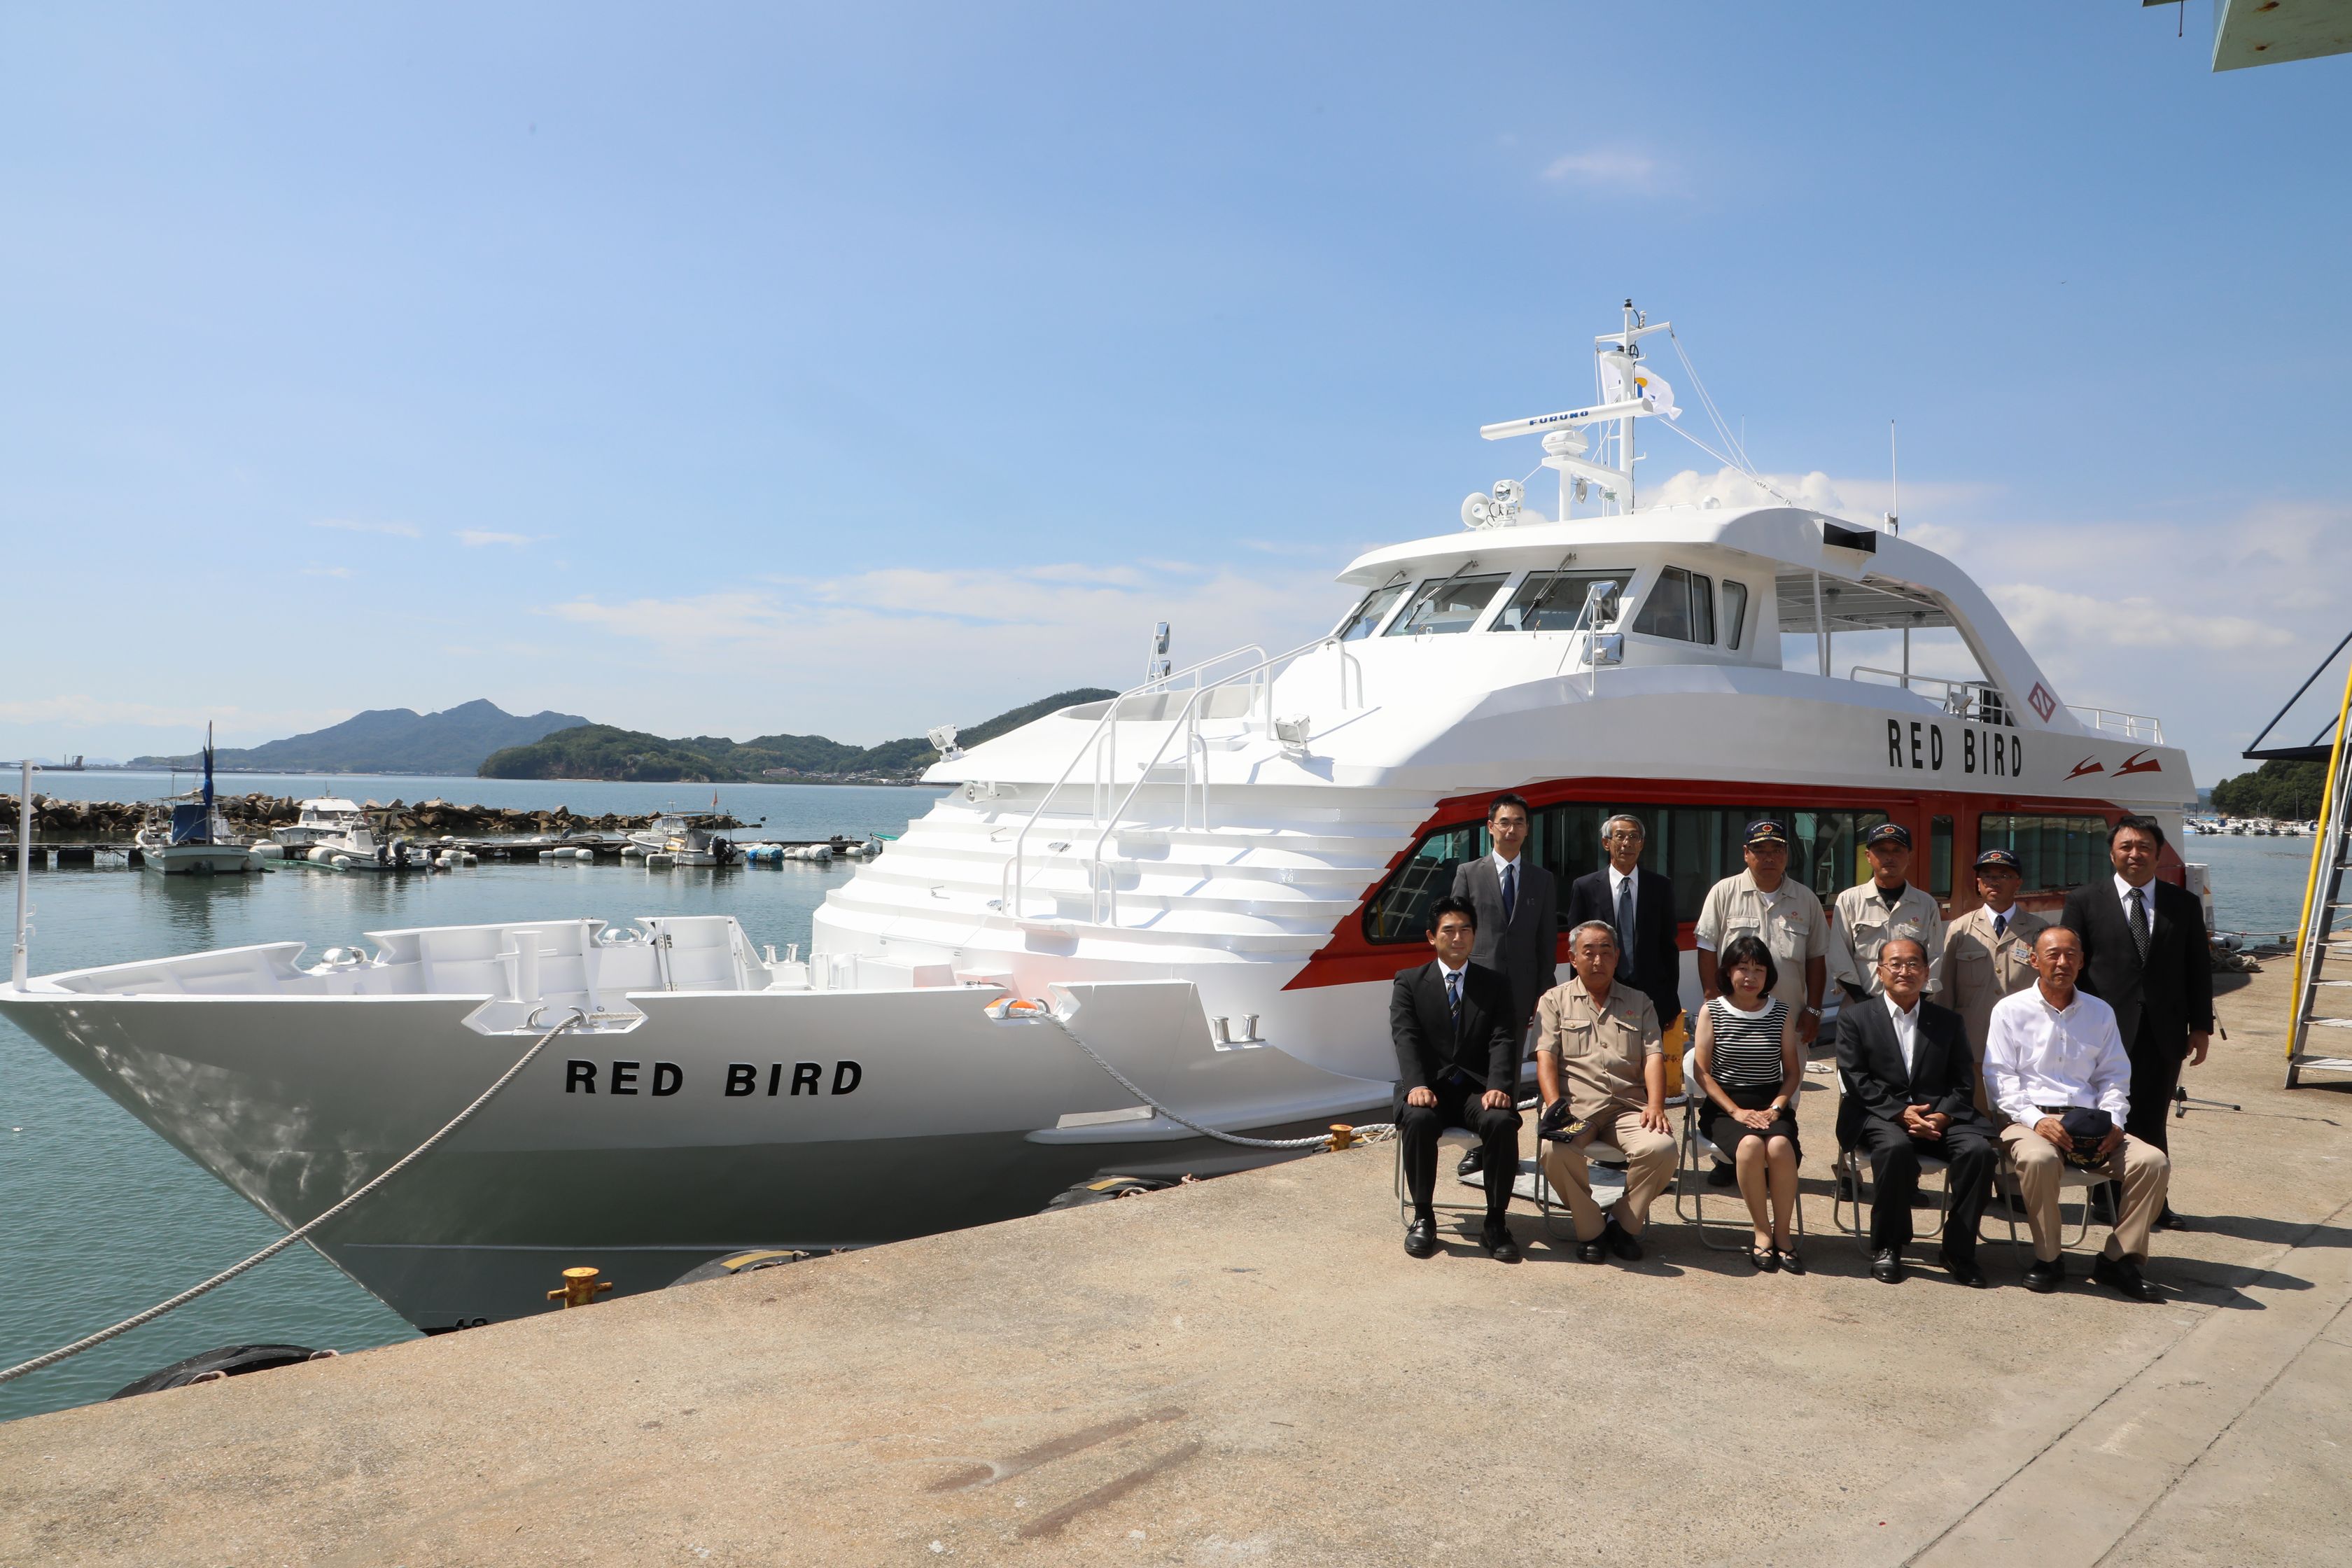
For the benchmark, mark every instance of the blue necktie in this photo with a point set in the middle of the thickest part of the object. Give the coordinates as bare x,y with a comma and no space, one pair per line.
1625,928
2000,927
1453,992
1510,890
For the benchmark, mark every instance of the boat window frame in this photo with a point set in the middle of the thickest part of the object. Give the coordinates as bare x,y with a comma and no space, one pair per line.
1623,576
1399,623
1401,588
1734,620
1690,579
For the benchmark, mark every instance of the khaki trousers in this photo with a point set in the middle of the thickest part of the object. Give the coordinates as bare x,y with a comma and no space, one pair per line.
2142,1168
1649,1166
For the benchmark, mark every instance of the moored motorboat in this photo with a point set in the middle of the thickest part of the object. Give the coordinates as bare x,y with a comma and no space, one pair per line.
185,835
1211,879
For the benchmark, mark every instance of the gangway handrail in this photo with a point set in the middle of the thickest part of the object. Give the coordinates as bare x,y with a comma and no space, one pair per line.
2131,726
1962,697
1010,881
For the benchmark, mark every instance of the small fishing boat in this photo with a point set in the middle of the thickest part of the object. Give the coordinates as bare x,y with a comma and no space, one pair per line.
186,836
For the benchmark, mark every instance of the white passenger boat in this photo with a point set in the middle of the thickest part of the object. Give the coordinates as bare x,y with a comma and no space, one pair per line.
1211,877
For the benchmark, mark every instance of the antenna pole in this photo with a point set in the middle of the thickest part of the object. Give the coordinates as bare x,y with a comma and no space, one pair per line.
1625,425
16,963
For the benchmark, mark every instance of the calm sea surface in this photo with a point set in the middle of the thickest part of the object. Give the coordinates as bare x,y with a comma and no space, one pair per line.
99,1218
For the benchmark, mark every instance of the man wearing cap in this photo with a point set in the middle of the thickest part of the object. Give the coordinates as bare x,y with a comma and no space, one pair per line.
1989,952
1883,906
1765,901
2056,1066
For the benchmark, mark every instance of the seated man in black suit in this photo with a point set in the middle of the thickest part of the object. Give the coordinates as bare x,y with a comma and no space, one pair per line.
1457,1046
1910,1087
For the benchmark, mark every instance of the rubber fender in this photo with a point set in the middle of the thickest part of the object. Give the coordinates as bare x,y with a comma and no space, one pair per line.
743,1262
229,1361
1103,1189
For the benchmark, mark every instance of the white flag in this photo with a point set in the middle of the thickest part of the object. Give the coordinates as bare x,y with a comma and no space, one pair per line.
1647,382
1651,385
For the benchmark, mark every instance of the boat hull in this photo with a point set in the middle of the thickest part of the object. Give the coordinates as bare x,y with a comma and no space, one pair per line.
197,860
790,1118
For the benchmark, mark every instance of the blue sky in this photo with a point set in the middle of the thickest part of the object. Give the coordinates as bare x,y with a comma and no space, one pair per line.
742,369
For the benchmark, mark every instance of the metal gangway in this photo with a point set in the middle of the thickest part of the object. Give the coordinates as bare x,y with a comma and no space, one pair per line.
2323,953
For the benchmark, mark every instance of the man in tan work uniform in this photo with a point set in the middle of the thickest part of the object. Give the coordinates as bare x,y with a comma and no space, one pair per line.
1988,953
1765,901
1597,1046
1887,904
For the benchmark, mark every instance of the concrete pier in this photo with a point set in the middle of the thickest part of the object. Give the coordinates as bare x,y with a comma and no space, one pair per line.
1251,1371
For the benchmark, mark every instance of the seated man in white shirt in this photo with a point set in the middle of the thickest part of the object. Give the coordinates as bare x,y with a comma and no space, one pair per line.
2048,1050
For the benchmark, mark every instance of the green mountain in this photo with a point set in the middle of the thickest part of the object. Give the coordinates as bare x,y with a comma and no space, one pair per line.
388,740
2289,791
602,751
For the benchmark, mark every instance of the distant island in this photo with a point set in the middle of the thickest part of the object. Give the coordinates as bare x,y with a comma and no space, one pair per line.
387,741
603,752
2281,790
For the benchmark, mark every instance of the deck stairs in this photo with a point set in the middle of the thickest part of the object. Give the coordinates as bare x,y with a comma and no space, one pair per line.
2319,1039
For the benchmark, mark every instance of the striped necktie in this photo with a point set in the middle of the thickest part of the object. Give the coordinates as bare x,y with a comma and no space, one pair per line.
1453,993
2139,923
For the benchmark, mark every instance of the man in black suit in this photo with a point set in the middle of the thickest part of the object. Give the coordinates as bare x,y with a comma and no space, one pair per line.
1457,1046
1517,903
1641,905
2146,954
1910,1087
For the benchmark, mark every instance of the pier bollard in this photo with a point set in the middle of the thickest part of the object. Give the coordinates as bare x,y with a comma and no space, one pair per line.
580,1287
1343,1136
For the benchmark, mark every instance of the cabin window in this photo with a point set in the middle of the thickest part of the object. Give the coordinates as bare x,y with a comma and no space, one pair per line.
1735,612
1693,846
1681,606
1551,601
1940,855
2052,852
1367,616
1446,605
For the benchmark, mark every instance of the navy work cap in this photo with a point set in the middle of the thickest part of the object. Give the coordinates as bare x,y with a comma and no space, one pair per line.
1999,860
1766,832
1889,832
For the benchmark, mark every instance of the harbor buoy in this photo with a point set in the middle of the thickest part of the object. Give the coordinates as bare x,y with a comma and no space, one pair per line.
211,1366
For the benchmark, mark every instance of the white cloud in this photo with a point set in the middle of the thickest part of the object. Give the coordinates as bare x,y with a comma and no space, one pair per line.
350,525
2053,617
79,711
328,571
1615,168
476,538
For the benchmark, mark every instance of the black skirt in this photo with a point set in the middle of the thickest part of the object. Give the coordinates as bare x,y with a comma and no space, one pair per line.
1725,1131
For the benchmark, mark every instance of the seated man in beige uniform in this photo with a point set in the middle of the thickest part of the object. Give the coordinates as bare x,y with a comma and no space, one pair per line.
1890,903
1989,952
1597,1045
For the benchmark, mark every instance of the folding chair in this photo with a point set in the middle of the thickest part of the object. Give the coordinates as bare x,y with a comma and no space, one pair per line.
1604,1170
1690,1181
1850,1166
2070,1177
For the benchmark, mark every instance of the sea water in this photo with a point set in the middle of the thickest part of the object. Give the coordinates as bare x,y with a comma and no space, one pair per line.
99,1218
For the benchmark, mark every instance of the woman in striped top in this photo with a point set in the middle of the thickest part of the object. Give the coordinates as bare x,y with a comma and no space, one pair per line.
1750,1063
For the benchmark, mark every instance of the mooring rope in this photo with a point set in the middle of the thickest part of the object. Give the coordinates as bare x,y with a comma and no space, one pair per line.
291,1236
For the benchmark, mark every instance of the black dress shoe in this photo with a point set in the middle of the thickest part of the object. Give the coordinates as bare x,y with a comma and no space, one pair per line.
1593,1251
1886,1266
1472,1164
2044,1278
2122,1276
2168,1220
1421,1237
1627,1249
1498,1241
1965,1271
1722,1175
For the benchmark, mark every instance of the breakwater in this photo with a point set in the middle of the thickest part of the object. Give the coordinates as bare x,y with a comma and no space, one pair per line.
88,820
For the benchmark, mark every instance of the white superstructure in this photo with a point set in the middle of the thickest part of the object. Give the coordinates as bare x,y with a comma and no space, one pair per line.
1215,878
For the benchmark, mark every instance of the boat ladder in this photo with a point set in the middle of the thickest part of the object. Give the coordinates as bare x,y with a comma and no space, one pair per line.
2323,990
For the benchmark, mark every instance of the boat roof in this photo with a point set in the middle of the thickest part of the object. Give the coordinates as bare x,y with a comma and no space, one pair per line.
328,803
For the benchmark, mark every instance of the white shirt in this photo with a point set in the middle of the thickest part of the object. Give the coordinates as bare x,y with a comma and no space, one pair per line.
1907,1031
1501,865
2000,919
2124,891
1624,885
2037,1055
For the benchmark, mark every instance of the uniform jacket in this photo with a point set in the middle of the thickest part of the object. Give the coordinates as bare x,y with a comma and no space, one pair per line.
1978,970
1863,924
1526,951
1657,955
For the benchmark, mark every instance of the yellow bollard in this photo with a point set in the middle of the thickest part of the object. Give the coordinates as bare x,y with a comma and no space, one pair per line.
1343,1136
580,1286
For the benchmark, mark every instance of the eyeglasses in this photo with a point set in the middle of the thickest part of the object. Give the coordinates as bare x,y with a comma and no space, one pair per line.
1902,964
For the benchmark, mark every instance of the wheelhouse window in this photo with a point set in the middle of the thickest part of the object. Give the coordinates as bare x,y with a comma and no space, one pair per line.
1367,616
1735,612
1940,855
2052,852
1446,605
1693,846
1551,601
1681,606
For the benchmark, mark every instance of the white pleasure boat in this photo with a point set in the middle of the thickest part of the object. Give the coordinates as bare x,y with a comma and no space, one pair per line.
1212,879
185,835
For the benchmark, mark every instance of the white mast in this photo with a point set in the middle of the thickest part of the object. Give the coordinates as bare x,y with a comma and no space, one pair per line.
1567,444
16,963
